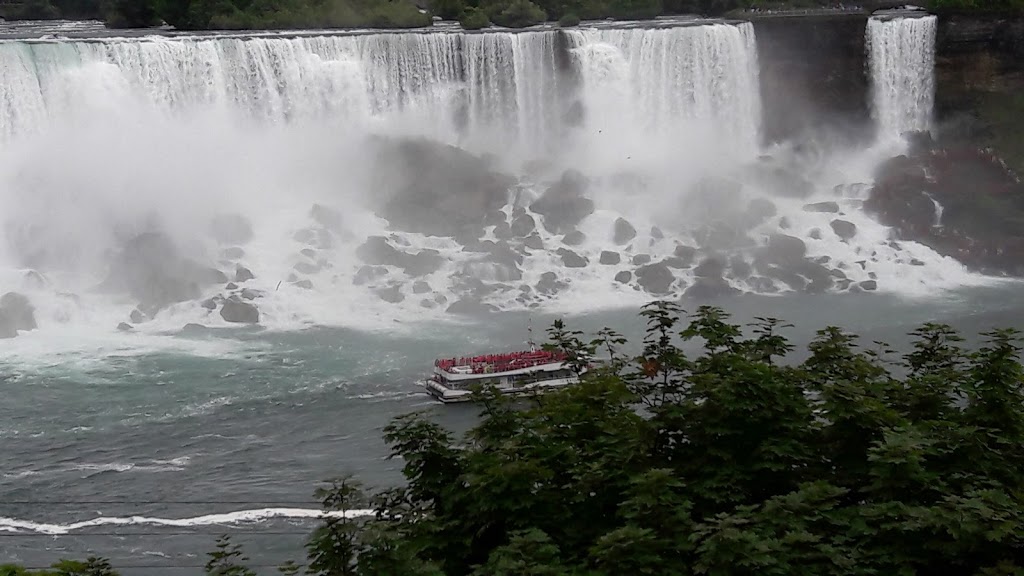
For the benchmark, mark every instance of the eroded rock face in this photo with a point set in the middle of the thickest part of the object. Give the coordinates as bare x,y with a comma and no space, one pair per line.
432,188
563,206
961,202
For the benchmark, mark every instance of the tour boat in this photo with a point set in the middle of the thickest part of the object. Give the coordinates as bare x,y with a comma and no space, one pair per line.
510,373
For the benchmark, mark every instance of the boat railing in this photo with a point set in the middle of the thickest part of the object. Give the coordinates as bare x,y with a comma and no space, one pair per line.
493,363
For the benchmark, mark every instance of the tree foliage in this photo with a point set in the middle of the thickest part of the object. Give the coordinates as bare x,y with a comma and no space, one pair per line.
724,461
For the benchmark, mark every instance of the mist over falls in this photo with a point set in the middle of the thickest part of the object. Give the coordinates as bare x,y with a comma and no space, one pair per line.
342,179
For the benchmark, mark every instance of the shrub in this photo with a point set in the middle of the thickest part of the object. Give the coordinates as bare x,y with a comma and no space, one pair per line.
569,20
519,14
474,19
448,9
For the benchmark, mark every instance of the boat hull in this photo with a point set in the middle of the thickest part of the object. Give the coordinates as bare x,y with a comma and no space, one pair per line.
454,396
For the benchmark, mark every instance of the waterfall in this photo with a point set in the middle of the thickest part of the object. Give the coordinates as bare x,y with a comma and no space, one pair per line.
902,60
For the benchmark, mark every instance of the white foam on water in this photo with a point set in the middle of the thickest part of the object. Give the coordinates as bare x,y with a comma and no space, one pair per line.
254,516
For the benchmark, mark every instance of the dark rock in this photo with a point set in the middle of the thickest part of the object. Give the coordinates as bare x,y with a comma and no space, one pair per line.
231,229
574,238
209,304
233,253
916,262
869,285
784,223
815,234
624,231
435,189
783,250
392,294
250,294
534,242
624,277
571,259
16,315
641,259
239,312
231,286
470,307
677,263
758,211
308,253
125,327
795,281
137,317
762,285
843,229
563,205
306,268
306,284
329,218
243,274
523,225
421,287
685,253
502,231
829,207
711,267
656,233
655,278
739,268
838,274
610,258
377,250
549,284
366,274
211,276
709,288
194,329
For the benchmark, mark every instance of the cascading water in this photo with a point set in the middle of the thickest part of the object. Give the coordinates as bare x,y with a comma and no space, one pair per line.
902,60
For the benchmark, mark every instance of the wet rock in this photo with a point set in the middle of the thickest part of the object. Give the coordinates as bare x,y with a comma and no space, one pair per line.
549,284
125,327
758,211
783,250
306,268
827,207
762,285
231,229
916,262
739,268
391,294
231,286
709,288
16,315
306,284
534,242
367,274
869,285
641,259
243,274
685,253
815,234
711,267
421,287
377,250
574,238
137,317
571,259
433,188
610,258
250,294
843,229
233,253
194,329
677,263
470,307
563,206
795,281
522,225
655,278
209,304
239,312
308,253
502,231
624,231
624,277
327,217
656,233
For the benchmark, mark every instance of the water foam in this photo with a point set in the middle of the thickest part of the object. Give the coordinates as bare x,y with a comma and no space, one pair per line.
254,516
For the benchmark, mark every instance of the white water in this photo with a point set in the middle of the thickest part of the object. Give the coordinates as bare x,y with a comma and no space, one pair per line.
102,139
902,62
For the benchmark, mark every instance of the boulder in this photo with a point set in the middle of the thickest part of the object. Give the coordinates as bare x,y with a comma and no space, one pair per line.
610,258
762,285
308,253
239,312
306,268
624,232
563,205
522,225
624,277
209,304
549,284
433,188
685,253
711,267
305,284
137,317
392,294
783,250
574,238
250,294
243,274
709,288
470,307
655,278
571,259
758,211
231,229
722,236
641,259
656,233
367,274
814,234
377,250
827,207
869,285
125,327
534,242
843,229
739,268
502,231
231,286
421,287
